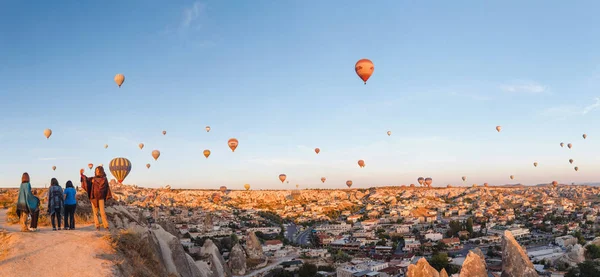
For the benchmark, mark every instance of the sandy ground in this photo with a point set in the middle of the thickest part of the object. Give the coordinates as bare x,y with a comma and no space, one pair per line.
81,252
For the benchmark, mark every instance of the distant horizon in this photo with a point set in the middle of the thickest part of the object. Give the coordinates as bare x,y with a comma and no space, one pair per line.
444,77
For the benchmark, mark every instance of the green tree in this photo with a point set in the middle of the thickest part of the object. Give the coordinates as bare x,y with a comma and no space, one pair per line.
439,261
592,251
307,270
470,225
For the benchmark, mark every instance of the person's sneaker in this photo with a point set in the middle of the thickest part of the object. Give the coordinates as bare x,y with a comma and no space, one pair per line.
53,229
31,230
59,228
67,228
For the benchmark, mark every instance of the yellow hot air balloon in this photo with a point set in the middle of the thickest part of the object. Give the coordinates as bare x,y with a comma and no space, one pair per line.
155,154
120,168
247,186
562,144
206,153
576,168
164,133
349,183
535,164
119,79
512,177
297,185
389,133
584,136
474,185
53,167
571,161
47,133
323,179
317,150
282,177
141,145
105,146
361,163
233,144
364,69
147,165
570,145
207,129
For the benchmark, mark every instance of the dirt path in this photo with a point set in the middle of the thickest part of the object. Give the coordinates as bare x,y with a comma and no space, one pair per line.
81,252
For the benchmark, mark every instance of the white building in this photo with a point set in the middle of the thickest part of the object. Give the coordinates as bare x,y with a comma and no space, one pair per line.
434,236
565,241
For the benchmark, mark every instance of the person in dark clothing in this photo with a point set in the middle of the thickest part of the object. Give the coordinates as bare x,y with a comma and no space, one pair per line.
35,214
70,206
99,192
55,203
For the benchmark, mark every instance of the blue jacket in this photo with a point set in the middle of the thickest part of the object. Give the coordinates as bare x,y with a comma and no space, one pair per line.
27,202
70,199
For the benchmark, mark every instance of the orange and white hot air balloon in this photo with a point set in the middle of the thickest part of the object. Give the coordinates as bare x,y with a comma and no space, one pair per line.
364,69
498,128
207,128
155,154
282,177
323,179
233,144
389,133
361,163
141,146
349,183
119,79
317,150
206,153
47,133
147,165
90,166
53,167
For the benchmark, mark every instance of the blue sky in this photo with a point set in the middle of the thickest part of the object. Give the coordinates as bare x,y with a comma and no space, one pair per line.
279,76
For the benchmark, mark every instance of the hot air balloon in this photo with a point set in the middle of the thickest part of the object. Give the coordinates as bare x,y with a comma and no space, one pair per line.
361,163
247,186
449,186
317,150
464,178
512,177
498,128
412,185
288,182
474,185
428,181
206,153
364,69
207,128
155,154
421,180
571,161
349,183
147,165
562,144
576,168
485,185
120,168
554,183
164,133
535,164
233,144
584,136
297,185
223,189
105,146
389,133
90,166
323,179
141,145
119,79
47,133
569,145
282,177
53,167
101,165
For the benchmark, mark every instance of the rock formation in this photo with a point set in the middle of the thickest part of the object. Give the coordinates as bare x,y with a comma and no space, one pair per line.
212,263
422,269
254,248
443,273
474,265
573,256
515,263
237,260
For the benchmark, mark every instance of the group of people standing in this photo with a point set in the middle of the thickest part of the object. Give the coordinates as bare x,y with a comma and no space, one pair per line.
63,203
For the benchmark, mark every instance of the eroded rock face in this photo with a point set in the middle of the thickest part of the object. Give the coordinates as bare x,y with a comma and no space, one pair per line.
443,273
254,248
515,263
422,269
574,255
213,264
473,266
237,260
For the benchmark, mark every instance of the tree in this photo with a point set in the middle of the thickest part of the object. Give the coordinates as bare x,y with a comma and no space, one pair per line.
470,225
592,251
307,270
439,261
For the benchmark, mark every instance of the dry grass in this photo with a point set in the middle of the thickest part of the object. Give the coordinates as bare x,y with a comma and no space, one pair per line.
138,258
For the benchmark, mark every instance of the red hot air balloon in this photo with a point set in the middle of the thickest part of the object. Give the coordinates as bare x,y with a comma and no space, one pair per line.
364,69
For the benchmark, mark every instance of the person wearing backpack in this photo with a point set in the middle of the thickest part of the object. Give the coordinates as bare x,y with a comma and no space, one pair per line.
26,202
70,205
99,192
55,203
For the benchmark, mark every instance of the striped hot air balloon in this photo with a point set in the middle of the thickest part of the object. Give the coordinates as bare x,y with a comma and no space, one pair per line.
120,168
